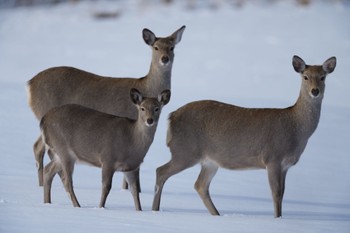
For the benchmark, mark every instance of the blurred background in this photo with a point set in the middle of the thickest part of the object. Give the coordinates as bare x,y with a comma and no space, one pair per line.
190,4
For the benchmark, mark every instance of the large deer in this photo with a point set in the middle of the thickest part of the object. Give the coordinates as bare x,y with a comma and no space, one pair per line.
74,133
216,134
67,85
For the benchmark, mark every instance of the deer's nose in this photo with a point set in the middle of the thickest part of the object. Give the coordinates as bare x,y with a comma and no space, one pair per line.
315,92
150,121
165,59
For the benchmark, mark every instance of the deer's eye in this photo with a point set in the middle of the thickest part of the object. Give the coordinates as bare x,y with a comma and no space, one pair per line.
155,48
323,78
156,109
171,49
142,109
305,77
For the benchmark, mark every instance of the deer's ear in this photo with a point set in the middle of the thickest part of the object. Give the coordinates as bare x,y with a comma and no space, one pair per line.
178,34
135,96
164,97
149,37
329,65
298,64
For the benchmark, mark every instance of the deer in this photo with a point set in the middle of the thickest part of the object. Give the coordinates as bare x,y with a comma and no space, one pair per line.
215,134
58,86
74,133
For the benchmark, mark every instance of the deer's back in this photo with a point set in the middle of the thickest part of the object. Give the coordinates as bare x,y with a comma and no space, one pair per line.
67,85
233,136
85,134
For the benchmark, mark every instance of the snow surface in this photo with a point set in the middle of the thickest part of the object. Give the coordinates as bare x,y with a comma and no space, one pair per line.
236,55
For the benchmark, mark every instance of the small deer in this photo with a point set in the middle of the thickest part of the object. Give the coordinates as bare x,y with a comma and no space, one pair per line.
58,86
217,134
74,133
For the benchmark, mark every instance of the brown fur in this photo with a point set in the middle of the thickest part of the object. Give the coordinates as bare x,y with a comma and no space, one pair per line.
58,86
75,133
217,135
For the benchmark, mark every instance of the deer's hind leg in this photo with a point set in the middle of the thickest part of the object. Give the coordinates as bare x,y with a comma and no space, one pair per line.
68,168
39,152
163,174
202,184
51,169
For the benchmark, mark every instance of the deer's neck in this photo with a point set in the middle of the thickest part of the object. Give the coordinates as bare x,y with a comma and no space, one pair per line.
143,135
159,78
307,113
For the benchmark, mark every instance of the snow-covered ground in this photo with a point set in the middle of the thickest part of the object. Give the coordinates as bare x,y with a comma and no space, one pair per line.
237,55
